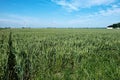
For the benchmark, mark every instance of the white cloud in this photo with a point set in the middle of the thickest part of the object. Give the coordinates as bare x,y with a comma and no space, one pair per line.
101,18
100,2
15,20
113,11
77,4
66,4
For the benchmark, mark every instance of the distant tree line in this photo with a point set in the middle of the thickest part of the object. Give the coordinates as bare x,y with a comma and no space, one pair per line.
117,25
4,28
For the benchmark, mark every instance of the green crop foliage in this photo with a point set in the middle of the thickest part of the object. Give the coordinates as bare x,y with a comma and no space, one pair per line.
62,54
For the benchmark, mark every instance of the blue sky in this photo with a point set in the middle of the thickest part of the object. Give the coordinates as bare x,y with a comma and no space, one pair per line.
59,13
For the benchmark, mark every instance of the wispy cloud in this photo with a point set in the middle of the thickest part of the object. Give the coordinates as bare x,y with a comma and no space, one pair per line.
114,10
75,5
101,18
71,5
15,20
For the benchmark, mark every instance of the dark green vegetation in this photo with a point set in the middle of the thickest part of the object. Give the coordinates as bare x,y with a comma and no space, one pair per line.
59,54
117,25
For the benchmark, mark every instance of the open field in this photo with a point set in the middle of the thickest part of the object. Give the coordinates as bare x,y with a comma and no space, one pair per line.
59,54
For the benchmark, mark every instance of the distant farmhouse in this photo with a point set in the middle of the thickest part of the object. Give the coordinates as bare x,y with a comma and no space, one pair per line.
114,26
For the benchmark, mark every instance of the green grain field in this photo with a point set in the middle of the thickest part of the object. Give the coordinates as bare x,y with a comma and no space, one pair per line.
59,54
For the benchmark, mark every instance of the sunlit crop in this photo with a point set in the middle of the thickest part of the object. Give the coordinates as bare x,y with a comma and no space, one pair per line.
60,54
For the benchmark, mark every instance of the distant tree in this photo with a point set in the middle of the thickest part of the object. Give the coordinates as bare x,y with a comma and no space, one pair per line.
109,26
23,27
117,25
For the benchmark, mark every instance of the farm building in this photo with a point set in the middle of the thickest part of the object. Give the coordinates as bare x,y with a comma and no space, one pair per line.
109,28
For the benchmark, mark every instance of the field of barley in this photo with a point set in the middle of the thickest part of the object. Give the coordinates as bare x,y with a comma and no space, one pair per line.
59,54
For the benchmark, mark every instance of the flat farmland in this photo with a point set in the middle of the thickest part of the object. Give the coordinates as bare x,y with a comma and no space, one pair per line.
59,54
